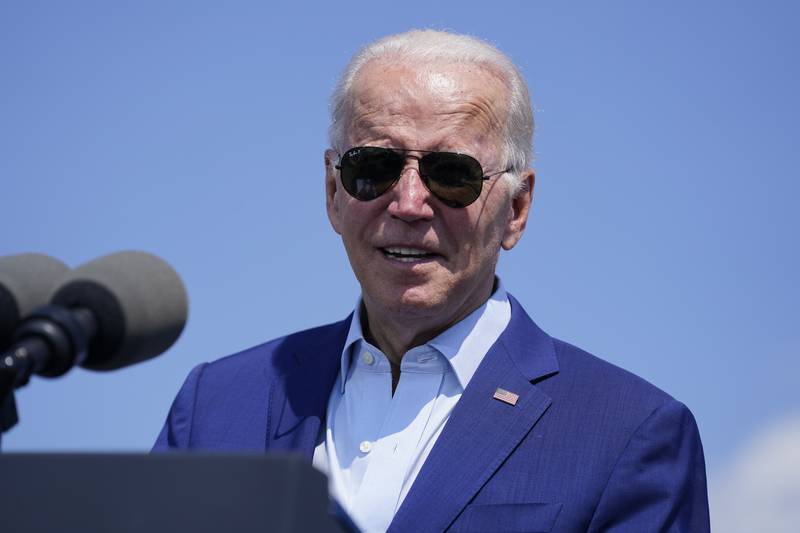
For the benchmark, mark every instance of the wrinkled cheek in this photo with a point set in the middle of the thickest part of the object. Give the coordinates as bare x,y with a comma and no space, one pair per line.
352,252
479,259
363,259
492,236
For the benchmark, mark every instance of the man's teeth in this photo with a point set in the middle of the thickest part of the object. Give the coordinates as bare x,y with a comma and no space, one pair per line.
405,254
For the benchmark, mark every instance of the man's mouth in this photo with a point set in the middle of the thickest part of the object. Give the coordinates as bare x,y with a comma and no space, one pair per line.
406,255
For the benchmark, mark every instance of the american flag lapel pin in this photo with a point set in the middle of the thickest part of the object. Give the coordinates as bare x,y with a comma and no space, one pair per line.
506,396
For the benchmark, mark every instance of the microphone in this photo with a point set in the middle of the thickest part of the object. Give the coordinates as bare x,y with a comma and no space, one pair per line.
111,312
139,304
26,281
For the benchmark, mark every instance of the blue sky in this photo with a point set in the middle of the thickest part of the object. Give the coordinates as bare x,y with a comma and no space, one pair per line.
663,236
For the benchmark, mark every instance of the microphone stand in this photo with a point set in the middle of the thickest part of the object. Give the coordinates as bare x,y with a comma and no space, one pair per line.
50,341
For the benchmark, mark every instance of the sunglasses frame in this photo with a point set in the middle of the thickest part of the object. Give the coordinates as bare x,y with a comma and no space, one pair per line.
424,178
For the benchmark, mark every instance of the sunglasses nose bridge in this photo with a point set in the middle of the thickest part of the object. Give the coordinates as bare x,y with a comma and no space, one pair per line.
410,165
411,194
411,180
417,168
411,162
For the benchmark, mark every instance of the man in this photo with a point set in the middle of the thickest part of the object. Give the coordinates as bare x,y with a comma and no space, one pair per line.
438,404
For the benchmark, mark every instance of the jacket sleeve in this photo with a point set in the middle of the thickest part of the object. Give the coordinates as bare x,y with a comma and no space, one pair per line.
177,430
659,481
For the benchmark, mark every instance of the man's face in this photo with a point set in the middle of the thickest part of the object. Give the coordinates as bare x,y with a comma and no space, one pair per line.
441,107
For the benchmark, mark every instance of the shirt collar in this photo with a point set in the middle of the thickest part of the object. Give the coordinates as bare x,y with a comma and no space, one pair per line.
463,344
354,335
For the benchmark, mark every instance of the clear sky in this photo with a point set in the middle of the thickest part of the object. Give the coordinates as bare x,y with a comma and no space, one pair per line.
664,235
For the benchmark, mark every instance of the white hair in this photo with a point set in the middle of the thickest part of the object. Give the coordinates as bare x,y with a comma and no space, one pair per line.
425,46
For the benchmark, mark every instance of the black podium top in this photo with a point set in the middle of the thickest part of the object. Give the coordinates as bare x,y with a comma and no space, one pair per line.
171,492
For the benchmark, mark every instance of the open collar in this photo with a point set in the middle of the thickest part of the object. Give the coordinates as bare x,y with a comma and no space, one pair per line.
463,345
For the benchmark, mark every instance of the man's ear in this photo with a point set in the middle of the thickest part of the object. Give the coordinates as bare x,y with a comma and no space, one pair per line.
520,207
331,187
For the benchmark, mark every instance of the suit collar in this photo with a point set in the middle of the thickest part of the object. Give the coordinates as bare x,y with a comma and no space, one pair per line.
299,393
530,348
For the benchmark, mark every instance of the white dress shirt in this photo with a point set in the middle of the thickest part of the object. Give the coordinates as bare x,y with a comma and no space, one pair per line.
375,442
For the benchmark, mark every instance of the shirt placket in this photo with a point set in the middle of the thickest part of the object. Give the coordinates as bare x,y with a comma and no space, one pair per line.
394,449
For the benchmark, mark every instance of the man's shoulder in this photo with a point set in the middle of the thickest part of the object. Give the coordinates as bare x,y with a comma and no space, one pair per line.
224,404
281,354
583,386
587,371
578,371
605,397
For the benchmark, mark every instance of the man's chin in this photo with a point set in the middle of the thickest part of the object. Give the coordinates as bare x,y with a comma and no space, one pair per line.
413,301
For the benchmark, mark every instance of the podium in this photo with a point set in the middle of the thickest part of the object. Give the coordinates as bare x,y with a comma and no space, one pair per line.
169,492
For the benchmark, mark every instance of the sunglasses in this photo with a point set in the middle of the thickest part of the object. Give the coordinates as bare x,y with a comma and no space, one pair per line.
369,171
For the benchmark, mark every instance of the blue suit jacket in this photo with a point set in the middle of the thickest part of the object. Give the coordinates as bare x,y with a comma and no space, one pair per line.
587,447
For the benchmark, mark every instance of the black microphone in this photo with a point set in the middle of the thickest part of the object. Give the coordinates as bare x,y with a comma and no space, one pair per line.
111,312
26,282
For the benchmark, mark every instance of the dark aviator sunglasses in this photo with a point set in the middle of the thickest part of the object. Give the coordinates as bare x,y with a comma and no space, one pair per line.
369,171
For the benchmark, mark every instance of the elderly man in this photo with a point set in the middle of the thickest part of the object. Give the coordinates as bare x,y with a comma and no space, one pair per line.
439,404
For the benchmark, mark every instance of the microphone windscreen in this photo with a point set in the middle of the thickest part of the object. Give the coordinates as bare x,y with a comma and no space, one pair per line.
26,282
138,301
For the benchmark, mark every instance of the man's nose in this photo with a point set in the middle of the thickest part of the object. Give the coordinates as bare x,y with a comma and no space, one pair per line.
410,197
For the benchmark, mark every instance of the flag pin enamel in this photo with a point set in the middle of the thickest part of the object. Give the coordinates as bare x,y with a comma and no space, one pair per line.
506,396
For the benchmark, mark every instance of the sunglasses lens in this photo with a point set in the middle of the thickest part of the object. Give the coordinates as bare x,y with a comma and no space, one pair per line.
456,179
368,172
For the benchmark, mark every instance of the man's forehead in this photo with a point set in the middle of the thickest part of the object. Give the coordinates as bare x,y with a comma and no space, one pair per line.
439,76
400,92
436,80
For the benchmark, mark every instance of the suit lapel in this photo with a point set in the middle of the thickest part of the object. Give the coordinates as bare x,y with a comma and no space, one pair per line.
299,394
482,431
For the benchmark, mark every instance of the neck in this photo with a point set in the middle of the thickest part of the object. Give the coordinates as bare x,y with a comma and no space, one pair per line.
395,336
395,339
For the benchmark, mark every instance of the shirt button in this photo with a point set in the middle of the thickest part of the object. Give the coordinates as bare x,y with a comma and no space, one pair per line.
368,358
365,446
